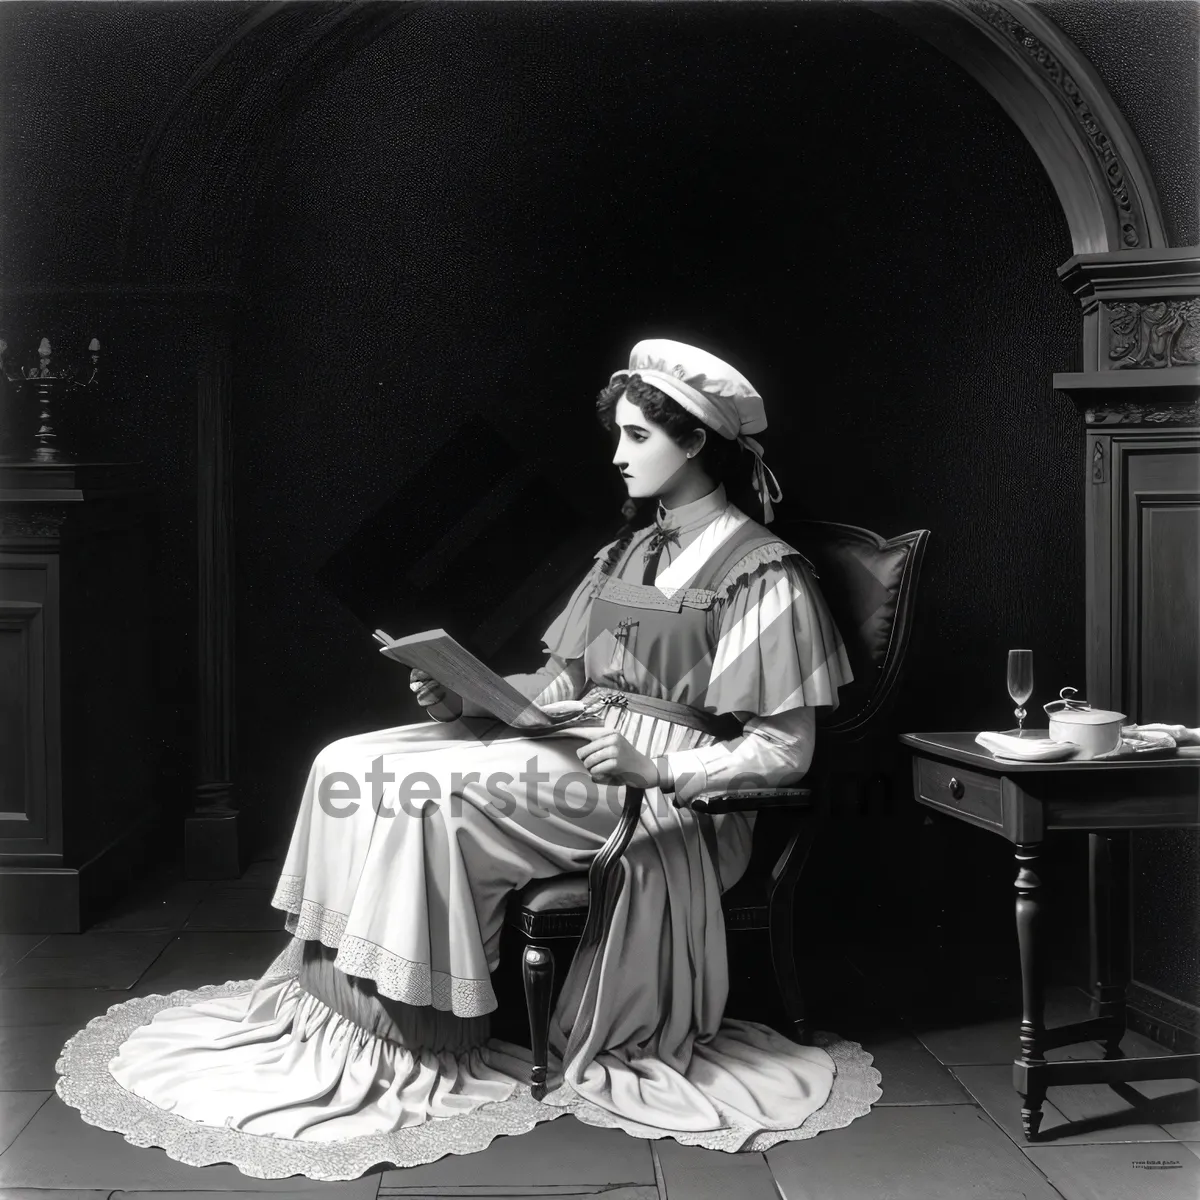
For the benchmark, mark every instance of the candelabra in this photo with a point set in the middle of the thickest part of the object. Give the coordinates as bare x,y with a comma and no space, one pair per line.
46,384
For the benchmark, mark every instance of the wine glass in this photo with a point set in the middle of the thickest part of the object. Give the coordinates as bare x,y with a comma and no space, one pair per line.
1020,683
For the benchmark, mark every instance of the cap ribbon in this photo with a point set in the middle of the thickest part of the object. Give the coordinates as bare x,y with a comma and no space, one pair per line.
765,483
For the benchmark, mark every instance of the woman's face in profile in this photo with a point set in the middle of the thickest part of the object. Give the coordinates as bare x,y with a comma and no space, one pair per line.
649,459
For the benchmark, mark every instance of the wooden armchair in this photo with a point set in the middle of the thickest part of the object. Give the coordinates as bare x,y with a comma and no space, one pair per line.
869,585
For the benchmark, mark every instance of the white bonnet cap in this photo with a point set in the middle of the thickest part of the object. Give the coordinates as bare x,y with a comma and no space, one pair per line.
713,392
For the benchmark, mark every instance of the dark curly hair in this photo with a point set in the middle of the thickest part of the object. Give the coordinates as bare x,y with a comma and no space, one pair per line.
720,457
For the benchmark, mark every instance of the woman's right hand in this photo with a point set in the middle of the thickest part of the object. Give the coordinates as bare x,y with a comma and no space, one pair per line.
432,695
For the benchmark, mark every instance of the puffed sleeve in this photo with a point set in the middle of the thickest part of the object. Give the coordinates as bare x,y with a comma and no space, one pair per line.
567,636
777,647
561,677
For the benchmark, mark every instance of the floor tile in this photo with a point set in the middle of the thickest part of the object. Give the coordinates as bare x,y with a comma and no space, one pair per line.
16,1111
1133,1045
57,1194
1071,1115
496,1191
86,960
926,1152
693,1173
1185,1131
1176,1103
1157,1172
365,1188
57,1149
28,1055
157,903
263,873
992,1037
911,1075
236,908
56,1006
14,947
1162,1101
561,1151
194,959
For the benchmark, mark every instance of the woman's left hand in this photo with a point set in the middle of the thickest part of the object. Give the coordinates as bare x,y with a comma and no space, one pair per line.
609,758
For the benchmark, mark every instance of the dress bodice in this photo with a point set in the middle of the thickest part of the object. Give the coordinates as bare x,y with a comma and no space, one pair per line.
732,621
659,639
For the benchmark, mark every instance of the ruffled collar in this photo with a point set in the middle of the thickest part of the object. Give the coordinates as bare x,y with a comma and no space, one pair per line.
693,515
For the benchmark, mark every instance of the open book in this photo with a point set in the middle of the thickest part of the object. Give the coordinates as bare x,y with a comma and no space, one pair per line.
451,664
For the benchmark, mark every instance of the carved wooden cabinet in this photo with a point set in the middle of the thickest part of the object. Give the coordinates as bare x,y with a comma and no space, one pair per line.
1144,660
1144,524
77,736
1140,398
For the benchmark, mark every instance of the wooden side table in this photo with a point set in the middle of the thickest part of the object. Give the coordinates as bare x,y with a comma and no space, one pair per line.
1023,802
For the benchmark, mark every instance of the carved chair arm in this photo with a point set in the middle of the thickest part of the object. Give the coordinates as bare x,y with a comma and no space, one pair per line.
749,800
603,869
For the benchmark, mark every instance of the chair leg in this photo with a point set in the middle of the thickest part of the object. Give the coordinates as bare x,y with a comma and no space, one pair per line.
537,972
783,960
780,909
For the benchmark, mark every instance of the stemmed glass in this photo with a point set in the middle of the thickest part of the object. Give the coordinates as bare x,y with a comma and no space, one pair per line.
1020,683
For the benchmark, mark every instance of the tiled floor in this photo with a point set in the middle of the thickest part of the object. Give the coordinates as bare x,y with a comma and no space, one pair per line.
947,1125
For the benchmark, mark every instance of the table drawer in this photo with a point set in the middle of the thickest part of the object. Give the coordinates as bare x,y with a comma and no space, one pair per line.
959,790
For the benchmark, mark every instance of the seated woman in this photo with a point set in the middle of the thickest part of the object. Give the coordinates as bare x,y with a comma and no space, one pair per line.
700,647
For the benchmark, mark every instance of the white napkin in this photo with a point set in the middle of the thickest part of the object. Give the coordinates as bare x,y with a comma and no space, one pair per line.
1025,749
1135,740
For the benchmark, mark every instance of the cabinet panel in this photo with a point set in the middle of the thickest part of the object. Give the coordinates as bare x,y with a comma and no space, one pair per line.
1161,585
1146,605
28,600
1167,642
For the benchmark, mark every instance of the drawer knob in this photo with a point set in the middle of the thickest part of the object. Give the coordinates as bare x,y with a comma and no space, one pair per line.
956,788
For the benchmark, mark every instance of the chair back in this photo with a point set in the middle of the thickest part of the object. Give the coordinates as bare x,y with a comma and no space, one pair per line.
870,586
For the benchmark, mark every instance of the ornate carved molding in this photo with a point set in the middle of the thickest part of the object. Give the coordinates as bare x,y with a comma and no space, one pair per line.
32,523
1141,333
1101,144
1062,106
1154,333
1181,412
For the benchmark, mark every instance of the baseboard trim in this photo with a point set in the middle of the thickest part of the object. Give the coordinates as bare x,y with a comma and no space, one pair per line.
69,899
1163,1019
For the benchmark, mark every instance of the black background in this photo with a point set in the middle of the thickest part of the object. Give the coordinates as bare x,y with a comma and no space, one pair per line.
461,235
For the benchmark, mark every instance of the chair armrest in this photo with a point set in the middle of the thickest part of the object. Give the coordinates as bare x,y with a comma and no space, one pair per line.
749,800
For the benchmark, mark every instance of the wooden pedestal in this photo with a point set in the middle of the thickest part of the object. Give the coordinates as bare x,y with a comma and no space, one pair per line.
77,734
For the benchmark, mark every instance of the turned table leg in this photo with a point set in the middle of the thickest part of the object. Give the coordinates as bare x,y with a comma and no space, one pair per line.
1108,880
1028,1078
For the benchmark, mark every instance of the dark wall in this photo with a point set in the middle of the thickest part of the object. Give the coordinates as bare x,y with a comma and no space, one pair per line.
468,232
460,237
82,87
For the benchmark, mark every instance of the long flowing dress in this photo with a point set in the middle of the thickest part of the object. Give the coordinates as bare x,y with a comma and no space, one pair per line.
705,640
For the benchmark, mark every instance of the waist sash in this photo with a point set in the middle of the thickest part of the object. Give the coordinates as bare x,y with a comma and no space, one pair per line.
719,725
